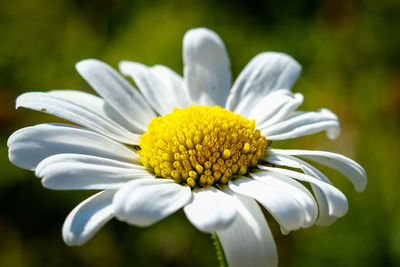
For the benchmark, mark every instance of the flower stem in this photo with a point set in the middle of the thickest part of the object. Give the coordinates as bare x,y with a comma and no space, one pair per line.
220,251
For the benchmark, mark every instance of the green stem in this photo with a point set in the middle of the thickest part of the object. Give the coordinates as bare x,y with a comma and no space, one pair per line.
220,251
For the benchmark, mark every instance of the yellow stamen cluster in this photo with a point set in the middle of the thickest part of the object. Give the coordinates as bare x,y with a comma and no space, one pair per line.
201,145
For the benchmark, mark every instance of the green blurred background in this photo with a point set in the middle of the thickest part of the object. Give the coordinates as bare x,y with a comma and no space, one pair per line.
350,52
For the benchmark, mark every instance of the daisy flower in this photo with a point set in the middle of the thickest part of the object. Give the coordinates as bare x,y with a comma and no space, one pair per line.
195,142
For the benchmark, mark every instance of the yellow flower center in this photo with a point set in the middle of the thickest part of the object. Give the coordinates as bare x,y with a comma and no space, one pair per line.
201,145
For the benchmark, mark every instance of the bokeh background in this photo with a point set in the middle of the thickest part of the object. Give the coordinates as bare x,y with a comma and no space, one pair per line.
350,53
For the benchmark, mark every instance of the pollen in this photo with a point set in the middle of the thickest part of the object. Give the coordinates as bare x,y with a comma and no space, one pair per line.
201,145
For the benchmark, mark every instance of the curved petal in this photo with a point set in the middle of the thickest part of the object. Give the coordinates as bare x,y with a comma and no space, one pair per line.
248,240
75,171
282,205
274,107
296,189
211,209
143,202
206,68
348,167
70,111
117,92
163,89
303,123
87,218
337,202
97,105
326,216
264,74
28,146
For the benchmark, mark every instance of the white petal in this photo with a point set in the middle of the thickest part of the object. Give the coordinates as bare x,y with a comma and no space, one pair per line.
30,145
264,74
326,216
162,88
337,202
210,210
75,171
296,189
348,167
206,67
282,205
87,218
274,107
303,123
64,109
97,105
280,160
248,240
117,92
143,202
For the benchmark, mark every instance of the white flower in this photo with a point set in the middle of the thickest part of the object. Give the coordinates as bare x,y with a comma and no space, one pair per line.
209,161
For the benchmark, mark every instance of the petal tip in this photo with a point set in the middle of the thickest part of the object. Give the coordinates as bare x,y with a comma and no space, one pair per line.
72,240
123,65
130,68
334,131
20,99
203,39
362,186
199,33
86,65
282,57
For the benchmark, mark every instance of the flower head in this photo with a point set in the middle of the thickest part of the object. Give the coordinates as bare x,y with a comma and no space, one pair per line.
201,145
197,143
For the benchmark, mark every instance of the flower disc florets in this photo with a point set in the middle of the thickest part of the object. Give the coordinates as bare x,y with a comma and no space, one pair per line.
201,145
